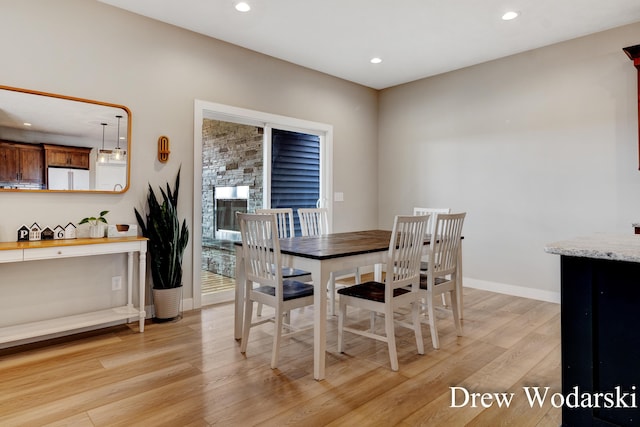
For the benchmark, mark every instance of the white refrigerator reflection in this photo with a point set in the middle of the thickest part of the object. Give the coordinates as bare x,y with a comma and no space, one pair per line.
68,179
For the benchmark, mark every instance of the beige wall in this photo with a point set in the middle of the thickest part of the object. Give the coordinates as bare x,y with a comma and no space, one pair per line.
536,147
90,50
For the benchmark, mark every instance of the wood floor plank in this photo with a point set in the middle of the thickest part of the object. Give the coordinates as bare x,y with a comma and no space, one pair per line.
497,376
521,411
79,420
76,402
399,402
191,373
508,334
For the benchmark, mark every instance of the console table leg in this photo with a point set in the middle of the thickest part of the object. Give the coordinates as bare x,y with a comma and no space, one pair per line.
142,274
130,279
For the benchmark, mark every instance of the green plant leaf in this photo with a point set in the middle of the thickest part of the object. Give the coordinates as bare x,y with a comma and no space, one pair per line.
167,238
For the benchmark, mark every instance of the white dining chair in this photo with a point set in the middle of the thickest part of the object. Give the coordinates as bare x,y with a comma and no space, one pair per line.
442,275
263,265
401,288
315,222
433,216
286,229
284,219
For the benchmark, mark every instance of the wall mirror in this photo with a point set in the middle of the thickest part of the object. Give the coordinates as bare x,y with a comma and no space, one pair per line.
59,143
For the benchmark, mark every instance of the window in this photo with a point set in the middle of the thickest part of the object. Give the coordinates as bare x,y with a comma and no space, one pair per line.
295,171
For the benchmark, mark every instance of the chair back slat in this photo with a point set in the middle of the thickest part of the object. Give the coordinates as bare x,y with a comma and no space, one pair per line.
405,250
445,243
284,220
313,221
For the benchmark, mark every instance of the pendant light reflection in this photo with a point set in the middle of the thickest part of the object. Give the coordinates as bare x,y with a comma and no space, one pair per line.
103,155
118,153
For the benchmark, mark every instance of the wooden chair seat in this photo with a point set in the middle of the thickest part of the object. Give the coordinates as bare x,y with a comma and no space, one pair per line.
424,283
291,289
373,291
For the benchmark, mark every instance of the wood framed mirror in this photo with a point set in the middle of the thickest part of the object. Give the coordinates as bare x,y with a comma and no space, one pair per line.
58,143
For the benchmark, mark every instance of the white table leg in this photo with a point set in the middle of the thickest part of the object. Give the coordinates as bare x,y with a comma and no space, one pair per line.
320,273
320,279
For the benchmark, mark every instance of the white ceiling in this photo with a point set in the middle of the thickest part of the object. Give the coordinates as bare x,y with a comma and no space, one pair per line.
415,38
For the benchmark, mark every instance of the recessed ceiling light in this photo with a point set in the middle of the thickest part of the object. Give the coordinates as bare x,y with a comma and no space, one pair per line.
243,6
376,60
27,124
509,16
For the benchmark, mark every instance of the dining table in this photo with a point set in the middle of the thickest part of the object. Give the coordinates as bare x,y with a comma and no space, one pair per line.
322,255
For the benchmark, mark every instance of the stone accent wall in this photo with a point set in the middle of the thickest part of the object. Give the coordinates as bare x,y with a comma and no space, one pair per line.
231,156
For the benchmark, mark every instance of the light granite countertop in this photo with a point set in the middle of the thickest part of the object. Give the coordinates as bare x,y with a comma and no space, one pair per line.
617,247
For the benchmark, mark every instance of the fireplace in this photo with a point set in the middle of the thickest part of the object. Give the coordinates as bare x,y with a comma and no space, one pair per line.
228,201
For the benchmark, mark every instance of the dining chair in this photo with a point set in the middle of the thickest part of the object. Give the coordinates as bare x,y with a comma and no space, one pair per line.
400,288
286,229
433,216
314,222
442,275
263,265
284,219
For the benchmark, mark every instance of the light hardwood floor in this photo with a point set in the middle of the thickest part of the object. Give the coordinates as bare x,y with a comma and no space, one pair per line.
191,373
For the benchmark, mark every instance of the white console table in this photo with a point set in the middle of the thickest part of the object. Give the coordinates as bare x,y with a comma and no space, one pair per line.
54,249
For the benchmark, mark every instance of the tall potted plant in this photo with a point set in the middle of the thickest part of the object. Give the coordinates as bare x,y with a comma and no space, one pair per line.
167,242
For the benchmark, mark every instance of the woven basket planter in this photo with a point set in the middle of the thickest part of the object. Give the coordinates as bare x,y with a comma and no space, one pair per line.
167,303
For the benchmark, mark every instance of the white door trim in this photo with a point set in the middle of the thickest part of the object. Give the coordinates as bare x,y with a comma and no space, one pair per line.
215,111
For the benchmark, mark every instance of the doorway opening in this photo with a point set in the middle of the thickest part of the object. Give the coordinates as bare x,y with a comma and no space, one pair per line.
231,175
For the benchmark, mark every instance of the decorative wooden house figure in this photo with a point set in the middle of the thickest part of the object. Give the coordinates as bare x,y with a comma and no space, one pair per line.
70,231
47,234
58,232
23,233
35,232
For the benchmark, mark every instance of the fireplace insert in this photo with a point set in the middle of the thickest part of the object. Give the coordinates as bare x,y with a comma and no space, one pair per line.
228,201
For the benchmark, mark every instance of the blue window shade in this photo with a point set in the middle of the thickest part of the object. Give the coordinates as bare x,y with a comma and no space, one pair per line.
295,171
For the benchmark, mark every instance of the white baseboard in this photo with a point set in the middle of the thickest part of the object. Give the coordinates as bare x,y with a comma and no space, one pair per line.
517,291
187,304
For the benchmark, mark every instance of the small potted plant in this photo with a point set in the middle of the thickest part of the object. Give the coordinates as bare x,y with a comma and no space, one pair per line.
96,224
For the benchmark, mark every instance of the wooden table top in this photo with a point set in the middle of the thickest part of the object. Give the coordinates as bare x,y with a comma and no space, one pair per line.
337,244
